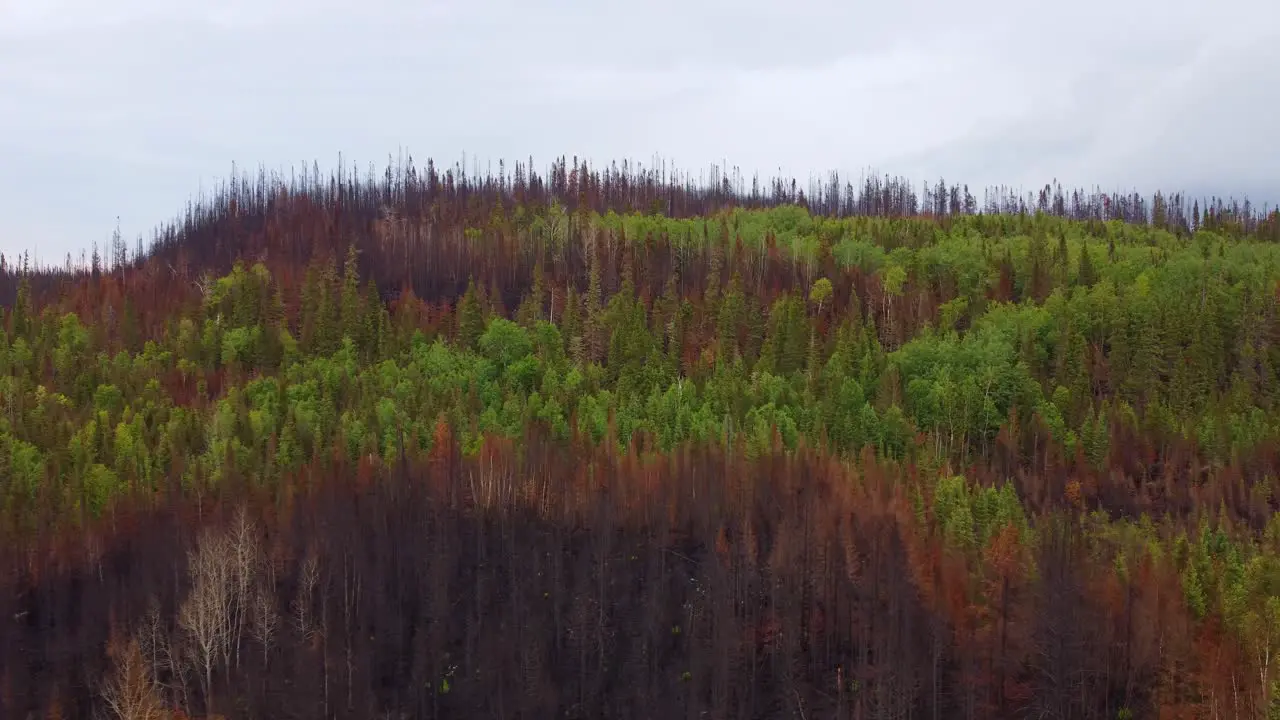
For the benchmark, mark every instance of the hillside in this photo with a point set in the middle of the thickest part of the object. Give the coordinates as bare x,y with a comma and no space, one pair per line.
612,442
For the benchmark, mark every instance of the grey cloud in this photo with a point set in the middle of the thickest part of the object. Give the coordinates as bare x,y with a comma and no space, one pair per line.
131,106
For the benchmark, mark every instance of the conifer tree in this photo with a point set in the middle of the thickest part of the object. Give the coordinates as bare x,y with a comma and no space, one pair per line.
731,316
351,300
665,309
470,318
375,323
594,333
1086,275
1062,260
329,330
530,310
21,315
1037,282
309,309
571,324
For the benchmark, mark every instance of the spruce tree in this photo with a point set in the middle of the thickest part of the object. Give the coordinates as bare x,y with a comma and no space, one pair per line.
22,310
1086,275
351,301
571,324
328,317
530,310
470,317
594,333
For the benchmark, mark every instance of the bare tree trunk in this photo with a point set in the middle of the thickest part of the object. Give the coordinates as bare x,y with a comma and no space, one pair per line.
205,616
245,558
265,622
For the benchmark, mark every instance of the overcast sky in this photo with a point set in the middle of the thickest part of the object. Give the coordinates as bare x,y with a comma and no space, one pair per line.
127,108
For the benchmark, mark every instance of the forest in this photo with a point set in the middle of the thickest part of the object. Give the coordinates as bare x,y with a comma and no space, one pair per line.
623,442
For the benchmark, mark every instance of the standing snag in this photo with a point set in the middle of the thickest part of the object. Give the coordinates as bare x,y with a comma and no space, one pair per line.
265,622
130,692
205,616
245,557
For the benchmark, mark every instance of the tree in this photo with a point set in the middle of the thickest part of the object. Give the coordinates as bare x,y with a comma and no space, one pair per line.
245,558
308,577
264,620
504,342
1062,259
470,318
351,315
22,311
594,333
530,310
206,615
119,250
820,293
130,691
1086,275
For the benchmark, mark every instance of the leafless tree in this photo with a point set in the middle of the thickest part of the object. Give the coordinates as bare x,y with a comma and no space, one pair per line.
130,693
265,621
163,659
307,579
205,616
204,284
246,557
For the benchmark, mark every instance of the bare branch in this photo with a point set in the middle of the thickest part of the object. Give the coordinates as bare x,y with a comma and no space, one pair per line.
205,617
130,693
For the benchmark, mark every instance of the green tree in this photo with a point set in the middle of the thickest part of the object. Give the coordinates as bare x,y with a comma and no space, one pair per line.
1086,275
350,301
820,293
20,318
470,318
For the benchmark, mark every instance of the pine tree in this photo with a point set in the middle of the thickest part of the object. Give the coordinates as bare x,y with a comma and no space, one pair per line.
21,317
375,322
571,324
309,309
1062,260
594,334
470,318
1086,275
787,344
530,310
731,315
665,309
1037,282
712,295
491,302
328,313
351,300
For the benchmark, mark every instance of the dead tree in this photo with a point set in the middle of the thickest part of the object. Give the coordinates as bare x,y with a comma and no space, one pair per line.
205,616
130,693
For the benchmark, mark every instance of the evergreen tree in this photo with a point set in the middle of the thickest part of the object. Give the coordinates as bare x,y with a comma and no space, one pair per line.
329,328
787,344
20,319
1062,260
594,333
571,326
470,318
375,323
351,311
530,311
1086,275
731,316
1037,284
